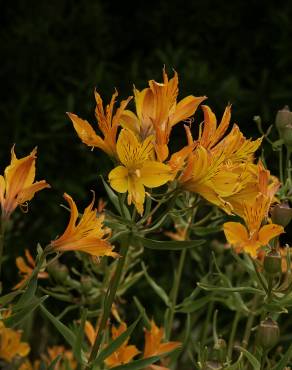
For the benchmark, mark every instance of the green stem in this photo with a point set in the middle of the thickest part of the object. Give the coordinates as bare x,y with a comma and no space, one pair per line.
232,334
281,164
109,298
2,233
207,323
288,164
249,322
175,292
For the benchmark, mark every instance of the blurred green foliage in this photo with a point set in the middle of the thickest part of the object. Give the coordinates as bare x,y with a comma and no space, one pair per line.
54,54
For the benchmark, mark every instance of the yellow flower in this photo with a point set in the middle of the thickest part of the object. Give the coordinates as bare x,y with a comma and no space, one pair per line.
86,236
107,123
124,354
10,344
154,345
211,134
253,236
26,269
138,169
17,185
157,111
208,176
235,146
259,180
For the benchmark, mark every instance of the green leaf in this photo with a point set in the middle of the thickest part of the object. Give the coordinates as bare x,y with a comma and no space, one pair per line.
21,312
29,293
7,298
142,311
115,200
157,289
77,348
167,245
54,363
242,289
138,364
195,305
253,361
206,230
68,335
284,360
115,344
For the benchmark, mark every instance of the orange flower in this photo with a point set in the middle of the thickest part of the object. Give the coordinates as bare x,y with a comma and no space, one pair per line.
26,269
124,354
66,359
17,185
154,345
252,237
107,123
10,344
86,236
157,111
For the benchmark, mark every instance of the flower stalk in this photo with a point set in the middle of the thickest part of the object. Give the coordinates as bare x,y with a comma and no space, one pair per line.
109,298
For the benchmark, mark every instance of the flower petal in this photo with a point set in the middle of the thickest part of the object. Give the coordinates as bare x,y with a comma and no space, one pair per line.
235,233
118,179
154,174
268,232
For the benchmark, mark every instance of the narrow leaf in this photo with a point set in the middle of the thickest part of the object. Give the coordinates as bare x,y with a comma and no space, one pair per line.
115,344
68,335
168,245
20,314
253,361
157,289
138,364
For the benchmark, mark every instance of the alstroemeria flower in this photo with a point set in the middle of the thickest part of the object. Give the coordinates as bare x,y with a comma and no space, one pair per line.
108,124
26,267
125,353
88,235
67,358
11,345
251,237
138,169
157,111
154,345
17,186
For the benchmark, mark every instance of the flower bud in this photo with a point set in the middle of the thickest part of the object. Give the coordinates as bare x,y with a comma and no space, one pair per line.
283,118
220,350
58,271
287,136
273,263
281,214
86,284
268,333
213,365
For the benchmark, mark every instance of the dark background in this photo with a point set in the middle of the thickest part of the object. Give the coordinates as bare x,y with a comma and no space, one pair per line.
55,52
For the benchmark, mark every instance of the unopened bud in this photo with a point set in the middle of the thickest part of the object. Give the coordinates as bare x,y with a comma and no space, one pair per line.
281,214
220,350
86,283
268,333
273,263
213,365
58,271
283,118
218,247
287,136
